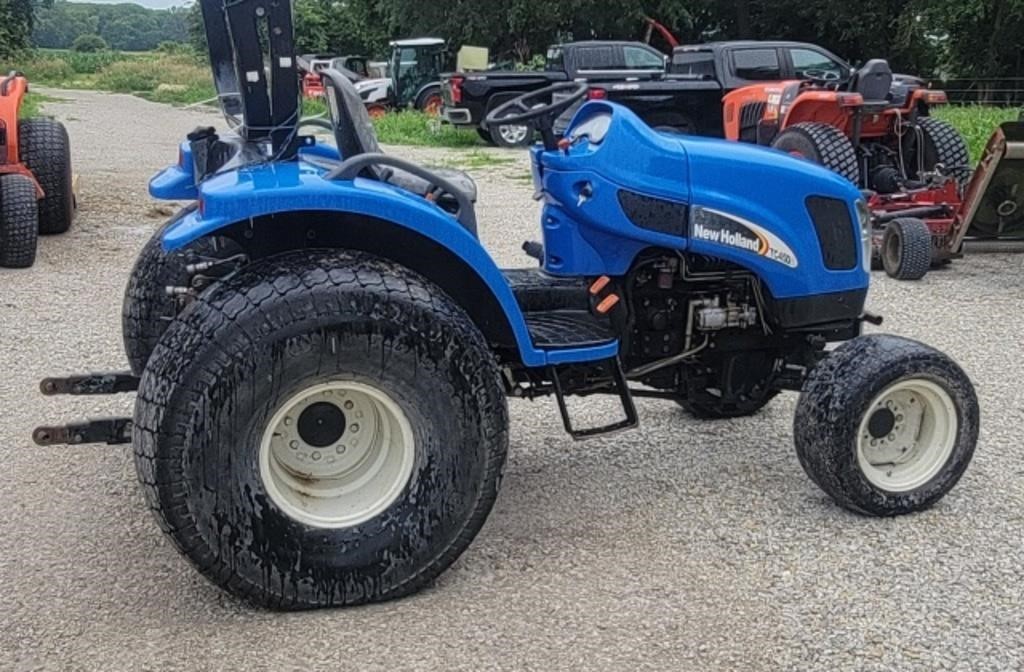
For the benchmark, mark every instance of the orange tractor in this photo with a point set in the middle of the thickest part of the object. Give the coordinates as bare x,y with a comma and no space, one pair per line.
875,130
36,193
877,134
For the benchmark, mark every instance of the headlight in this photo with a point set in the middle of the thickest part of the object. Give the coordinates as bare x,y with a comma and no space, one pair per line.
864,216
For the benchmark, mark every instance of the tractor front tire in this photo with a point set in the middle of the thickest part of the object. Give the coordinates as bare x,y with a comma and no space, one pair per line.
906,249
821,143
46,150
322,428
148,309
886,425
19,221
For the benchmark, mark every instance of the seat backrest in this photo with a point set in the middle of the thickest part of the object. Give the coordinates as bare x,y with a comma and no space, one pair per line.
353,130
874,80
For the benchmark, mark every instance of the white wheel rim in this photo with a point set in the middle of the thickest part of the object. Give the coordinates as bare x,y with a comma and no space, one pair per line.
907,435
336,454
512,134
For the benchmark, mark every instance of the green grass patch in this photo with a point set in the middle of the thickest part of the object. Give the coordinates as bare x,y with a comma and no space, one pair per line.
416,128
475,159
32,103
976,123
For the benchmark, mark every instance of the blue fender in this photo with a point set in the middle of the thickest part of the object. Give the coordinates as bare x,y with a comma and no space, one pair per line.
257,191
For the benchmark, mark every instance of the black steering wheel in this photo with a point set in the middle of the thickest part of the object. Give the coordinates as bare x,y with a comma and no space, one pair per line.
823,77
540,109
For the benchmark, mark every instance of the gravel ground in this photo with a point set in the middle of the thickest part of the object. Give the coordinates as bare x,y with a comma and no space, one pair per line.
682,545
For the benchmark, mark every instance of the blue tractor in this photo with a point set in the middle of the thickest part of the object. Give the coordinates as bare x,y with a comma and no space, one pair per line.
322,349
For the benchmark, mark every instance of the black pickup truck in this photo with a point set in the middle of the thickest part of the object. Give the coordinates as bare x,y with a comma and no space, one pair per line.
684,95
631,73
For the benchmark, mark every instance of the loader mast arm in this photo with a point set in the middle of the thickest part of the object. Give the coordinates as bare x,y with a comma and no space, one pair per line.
252,55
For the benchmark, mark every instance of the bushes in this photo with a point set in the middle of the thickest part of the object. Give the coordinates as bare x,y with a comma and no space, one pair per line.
171,73
89,44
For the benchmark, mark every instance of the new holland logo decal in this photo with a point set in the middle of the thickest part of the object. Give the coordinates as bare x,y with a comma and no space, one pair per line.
721,228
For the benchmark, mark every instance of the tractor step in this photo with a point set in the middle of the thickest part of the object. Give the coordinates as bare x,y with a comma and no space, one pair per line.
621,388
535,290
90,384
556,329
111,431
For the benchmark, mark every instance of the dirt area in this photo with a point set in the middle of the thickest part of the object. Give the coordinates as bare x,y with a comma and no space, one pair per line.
684,545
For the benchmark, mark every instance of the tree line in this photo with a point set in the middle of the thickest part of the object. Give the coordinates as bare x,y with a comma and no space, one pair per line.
951,38
944,38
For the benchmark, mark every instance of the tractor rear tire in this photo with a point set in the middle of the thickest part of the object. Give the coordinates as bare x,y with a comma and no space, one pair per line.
944,145
885,425
821,143
46,150
906,249
19,221
321,429
148,309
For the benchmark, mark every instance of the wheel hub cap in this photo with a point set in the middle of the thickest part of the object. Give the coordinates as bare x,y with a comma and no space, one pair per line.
336,454
907,435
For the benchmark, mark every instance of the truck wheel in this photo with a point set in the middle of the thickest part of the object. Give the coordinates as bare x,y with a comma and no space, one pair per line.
19,221
46,150
430,102
148,309
822,144
906,249
943,144
321,429
886,425
511,136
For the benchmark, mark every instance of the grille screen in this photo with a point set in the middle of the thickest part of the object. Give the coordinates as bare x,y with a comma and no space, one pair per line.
836,235
654,214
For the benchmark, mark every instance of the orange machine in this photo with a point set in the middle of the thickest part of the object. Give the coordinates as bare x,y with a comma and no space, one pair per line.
35,177
876,133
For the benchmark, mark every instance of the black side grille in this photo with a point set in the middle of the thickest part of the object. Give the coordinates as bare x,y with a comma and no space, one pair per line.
750,116
654,214
836,234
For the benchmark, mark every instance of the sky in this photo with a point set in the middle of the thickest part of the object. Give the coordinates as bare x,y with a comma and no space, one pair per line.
152,4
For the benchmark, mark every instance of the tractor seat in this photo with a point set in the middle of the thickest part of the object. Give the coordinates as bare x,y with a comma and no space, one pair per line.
874,83
354,135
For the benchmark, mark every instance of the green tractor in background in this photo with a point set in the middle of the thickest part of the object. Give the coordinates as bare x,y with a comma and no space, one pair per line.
414,78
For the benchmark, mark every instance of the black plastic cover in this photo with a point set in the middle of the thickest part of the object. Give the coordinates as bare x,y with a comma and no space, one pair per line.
654,214
836,234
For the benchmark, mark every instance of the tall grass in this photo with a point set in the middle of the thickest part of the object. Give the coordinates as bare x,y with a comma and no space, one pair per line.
976,123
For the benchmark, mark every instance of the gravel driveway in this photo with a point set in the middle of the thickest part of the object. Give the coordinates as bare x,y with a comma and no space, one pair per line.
680,546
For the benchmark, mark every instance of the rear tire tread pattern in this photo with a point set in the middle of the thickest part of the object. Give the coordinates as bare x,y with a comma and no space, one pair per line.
835,151
295,281
948,148
19,221
46,150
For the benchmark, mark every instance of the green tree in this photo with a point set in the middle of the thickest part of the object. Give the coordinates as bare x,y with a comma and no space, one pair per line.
89,44
16,18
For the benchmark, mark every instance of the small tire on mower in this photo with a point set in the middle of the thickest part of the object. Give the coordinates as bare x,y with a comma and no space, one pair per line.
46,150
944,144
19,221
886,425
821,143
906,249
322,428
148,309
